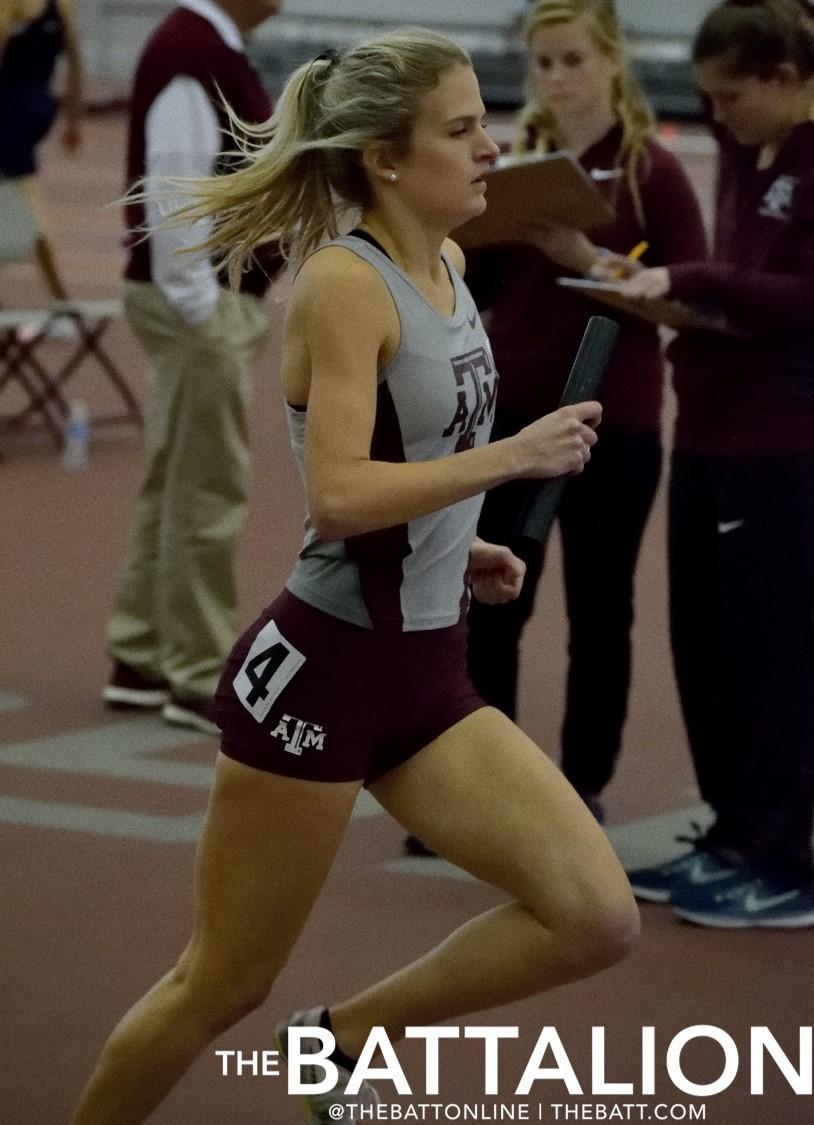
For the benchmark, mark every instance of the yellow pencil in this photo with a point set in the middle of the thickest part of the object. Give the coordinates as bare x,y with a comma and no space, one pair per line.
637,251
634,255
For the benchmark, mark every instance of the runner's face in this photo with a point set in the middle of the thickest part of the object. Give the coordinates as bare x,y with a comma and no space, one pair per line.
441,176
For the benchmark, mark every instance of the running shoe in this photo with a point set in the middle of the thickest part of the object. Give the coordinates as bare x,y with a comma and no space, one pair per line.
697,868
414,846
595,805
749,902
323,1108
129,688
197,714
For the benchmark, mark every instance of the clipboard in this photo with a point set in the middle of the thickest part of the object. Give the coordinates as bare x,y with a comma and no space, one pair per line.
673,314
551,187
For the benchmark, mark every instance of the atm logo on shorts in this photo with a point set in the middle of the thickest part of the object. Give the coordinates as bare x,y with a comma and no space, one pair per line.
299,735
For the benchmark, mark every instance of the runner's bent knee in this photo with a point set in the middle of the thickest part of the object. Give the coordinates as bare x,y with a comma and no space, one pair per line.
224,991
597,926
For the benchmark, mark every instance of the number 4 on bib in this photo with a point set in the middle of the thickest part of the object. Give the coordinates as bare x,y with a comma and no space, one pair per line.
270,664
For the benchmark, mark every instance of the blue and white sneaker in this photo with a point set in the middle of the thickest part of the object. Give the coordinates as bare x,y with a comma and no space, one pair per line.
751,901
699,868
322,1108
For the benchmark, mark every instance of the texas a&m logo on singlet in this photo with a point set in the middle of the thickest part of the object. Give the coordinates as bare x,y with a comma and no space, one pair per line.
476,384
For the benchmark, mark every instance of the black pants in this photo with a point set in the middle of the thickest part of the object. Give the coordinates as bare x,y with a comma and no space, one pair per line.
742,625
602,516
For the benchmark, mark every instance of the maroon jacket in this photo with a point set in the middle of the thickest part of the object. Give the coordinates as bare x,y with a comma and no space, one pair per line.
536,326
186,44
753,394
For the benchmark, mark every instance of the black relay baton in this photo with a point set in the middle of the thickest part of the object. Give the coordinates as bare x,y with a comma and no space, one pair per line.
587,370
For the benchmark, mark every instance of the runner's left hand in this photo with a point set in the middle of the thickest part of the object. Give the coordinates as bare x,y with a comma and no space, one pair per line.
495,573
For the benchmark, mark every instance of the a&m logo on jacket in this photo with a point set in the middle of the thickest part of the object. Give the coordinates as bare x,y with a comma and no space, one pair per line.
778,199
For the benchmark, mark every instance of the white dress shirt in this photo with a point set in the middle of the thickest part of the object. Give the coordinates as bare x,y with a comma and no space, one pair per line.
183,138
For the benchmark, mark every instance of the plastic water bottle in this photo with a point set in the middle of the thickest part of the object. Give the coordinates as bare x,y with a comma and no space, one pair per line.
77,438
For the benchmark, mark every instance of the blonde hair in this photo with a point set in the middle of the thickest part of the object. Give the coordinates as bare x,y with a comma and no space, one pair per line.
303,167
537,127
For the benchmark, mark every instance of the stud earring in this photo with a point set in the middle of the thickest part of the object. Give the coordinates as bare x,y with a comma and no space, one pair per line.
393,177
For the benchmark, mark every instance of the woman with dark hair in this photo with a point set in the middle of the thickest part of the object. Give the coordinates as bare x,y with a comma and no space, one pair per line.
742,486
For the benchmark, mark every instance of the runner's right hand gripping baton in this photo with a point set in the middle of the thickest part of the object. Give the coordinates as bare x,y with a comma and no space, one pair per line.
586,374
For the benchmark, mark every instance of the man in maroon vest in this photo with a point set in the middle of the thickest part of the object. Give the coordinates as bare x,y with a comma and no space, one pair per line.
175,616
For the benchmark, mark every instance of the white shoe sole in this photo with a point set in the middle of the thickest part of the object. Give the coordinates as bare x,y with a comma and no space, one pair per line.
717,922
179,716
647,895
135,697
315,1115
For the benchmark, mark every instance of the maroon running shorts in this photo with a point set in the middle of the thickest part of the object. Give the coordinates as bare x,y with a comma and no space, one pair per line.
308,695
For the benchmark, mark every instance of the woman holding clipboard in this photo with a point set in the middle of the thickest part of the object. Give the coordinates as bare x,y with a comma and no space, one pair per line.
742,485
585,101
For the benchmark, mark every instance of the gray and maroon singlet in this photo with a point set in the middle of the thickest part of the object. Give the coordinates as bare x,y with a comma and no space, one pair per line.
361,661
436,397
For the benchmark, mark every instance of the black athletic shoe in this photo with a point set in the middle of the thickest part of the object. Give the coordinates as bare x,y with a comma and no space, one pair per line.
595,805
128,688
197,714
414,846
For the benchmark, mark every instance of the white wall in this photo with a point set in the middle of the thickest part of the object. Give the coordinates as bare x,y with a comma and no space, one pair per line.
493,12
669,18
114,30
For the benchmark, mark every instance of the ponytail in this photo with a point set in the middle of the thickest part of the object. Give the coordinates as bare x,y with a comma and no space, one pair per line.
302,168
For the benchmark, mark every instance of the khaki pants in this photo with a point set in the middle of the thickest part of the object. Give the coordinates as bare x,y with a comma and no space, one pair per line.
175,617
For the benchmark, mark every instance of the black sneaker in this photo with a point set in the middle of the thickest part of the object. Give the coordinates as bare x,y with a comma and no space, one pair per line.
595,805
197,714
129,688
414,846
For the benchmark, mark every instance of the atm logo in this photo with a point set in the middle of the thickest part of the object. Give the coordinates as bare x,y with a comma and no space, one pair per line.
298,735
778,200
